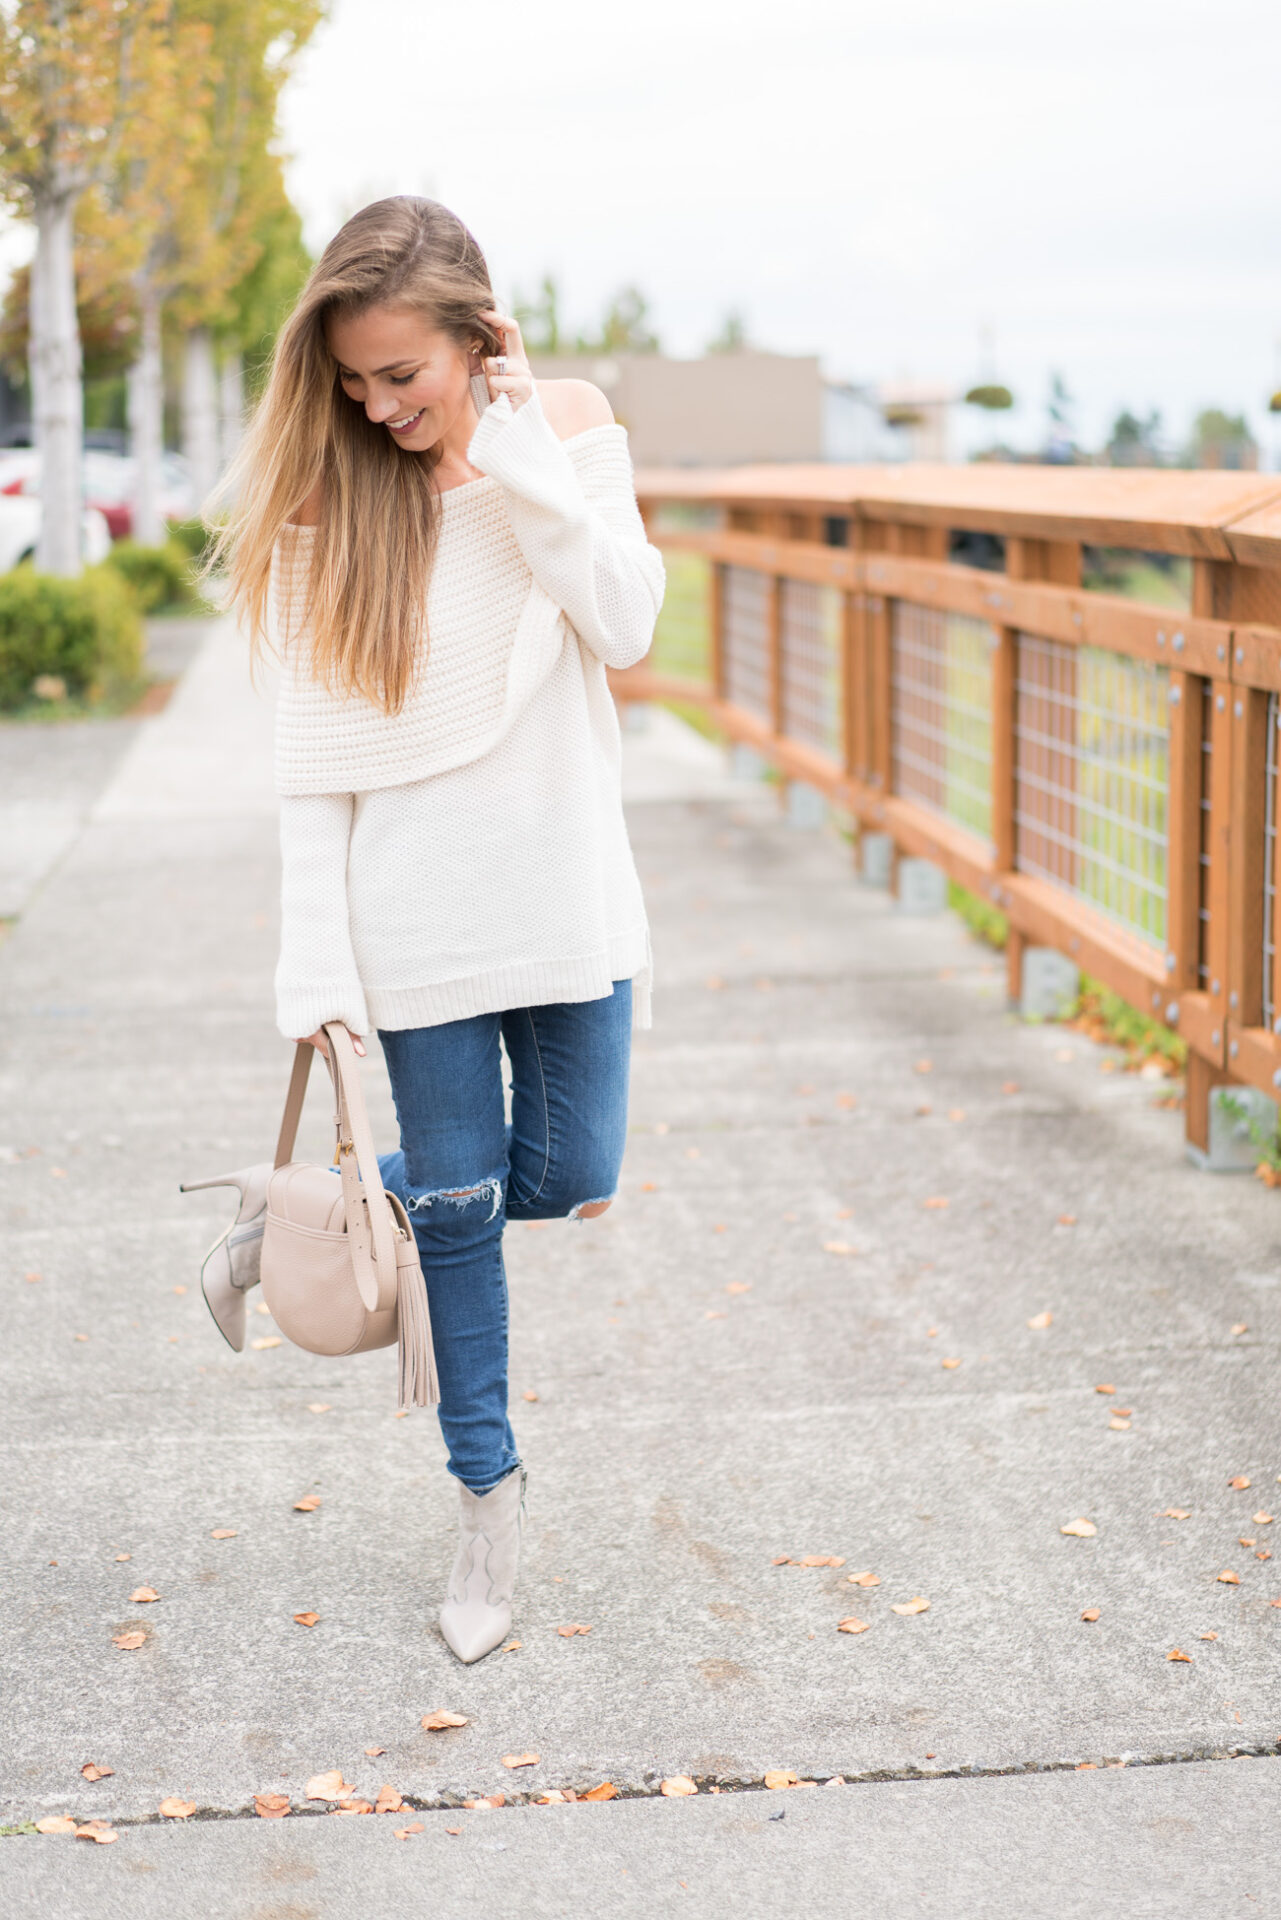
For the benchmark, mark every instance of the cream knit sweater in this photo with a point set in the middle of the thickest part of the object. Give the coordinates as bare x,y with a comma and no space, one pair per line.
469,854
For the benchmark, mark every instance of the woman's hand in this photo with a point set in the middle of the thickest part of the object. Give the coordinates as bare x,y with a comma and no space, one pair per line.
319,1042
515,378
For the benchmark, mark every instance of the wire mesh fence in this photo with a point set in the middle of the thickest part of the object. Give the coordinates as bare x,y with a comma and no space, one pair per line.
810,621
1092,778
745,640
941,713
1203,836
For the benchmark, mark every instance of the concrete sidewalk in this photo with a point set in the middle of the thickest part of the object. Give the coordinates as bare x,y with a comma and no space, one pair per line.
743,1360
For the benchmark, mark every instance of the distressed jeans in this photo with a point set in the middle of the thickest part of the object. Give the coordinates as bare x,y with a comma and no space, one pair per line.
463,1171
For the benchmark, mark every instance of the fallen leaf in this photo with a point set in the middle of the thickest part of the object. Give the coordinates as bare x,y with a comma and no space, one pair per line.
97,1830
931,1333
1207,1636
553,1798
1240,1483
956,1113
1040,1321
261,1308
129,1642
822,1560
1080,1529
436,1722
33,1280
605,1791
864,1579
916,1605
307,1619
529,1394
676,1786
1227,1578
329,1785
936,1201
1105,1389
1176,1513
923,1066
1009,1086
1064,1053
223,1533
83,1338
124,1556
1067,1220
319,1406
714,982
518,1759
922,1111
55,1823
400,1836
846,1100
649,1186
271,1806
838,1246
1118,1425
267,1340
1262,1519
308,1503
352,1806
92,1771
487,1802
374,1753
1174,1654
576,1626
1090,1613
1123,1413
781,1777
951,1364
416,1826
180,1289
1246,1541
144,1595
388,1801
738,1286
175,1808
852,1624
1263,1554
513,1646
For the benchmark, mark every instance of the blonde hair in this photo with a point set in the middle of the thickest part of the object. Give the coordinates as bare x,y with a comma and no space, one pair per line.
366,594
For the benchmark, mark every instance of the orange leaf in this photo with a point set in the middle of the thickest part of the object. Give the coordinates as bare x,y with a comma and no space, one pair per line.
513,1646
778,1777
1262,1519
267,1340
838,1246
389,1801
567,1633
1227,1578
677,1786
937,1200
1240,1327
1240,1483
1091,1613
1174,1654
605,1791
864,1579
352,1806
374,1753
918,1604
223,1533
529,1394
99,1831
92,1771
308,1503
1107,1389
489,1800
1040,1321
519,1759
271,1806
823,1560
436,1722
175,1808
144,1594
416,1826
1177,1513
923,1066
1207,1636
1080,1529
306,1619
1118,1425
55,1823
852,1624
319,1406
129,1642
328,1786
738,1286
951,1364
1009,1086
1067,1219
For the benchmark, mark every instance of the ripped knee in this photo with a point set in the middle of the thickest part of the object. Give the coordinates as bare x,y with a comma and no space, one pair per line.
590,1209
457,1197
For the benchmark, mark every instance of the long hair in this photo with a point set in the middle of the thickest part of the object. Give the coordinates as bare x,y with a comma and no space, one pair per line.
364,605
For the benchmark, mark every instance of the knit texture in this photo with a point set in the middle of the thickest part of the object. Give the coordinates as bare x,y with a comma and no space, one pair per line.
469,854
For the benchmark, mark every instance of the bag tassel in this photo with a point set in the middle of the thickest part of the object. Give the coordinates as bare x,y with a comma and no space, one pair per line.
418,1384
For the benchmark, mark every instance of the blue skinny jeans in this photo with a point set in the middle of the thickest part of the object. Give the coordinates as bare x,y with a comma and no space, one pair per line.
463,1171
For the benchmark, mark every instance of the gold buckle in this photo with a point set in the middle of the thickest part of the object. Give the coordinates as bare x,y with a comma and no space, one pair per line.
346,1146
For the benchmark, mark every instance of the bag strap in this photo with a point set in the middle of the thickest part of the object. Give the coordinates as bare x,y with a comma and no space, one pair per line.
370,1225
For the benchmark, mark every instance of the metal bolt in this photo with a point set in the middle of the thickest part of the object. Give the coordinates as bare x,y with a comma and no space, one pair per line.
1172,1014
1175,696
1276,1078
1232,998
1238,709
1179,643
1170,963
1077,619
1276,1024
1215,1037
1235,1048
1160,639
1075,943
1240,656
1220,650
1156,996
1219,703
1214,986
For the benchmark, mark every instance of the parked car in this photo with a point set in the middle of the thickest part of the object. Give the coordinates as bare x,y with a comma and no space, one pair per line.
110,484
20,517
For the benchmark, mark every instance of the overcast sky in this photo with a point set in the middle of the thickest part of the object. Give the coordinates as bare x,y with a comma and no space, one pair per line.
1099,183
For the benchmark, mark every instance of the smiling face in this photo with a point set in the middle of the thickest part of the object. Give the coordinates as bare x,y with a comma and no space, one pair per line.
410,377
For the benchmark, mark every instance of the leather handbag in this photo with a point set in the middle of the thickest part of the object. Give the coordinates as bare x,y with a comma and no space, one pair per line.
340,1266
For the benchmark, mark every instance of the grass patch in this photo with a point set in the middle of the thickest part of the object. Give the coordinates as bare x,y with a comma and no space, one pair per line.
1105,1017
985,922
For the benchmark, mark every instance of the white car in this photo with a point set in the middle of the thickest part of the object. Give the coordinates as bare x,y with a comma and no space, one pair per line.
20,517
110,483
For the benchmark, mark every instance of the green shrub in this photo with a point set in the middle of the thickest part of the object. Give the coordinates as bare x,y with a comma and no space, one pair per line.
85,633
160,576
193,536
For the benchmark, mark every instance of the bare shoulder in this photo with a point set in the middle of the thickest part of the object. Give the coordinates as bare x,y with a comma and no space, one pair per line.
572,406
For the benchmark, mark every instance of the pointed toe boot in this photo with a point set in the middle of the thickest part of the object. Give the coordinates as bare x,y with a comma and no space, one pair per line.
477,1614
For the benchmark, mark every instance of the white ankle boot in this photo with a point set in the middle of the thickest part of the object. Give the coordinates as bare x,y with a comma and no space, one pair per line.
477,1613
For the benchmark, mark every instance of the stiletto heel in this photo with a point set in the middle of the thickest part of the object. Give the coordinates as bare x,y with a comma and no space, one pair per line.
230,1268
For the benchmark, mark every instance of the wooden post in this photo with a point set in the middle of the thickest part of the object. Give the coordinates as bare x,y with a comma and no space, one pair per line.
774,642
1245,871
716,628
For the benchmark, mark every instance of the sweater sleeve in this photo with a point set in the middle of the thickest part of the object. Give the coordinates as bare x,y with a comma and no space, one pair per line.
316,977
577,524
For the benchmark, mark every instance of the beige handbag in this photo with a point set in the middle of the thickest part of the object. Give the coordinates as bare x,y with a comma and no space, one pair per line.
340,1267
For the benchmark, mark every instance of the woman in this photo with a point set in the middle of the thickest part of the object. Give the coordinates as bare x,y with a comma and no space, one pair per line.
445,589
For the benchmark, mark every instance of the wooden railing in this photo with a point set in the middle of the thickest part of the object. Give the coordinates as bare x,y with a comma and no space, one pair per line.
1102,769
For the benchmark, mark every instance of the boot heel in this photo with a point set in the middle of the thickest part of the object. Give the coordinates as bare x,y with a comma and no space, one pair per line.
237,1180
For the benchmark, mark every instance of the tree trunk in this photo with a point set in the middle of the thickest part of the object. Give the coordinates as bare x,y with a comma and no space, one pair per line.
200,412
231,408
147,421
57,389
